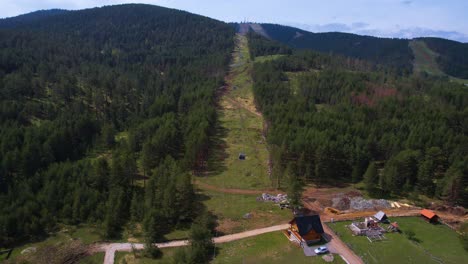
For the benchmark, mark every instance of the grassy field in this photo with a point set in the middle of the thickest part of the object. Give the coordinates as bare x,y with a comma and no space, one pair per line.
436,244
129,258
230,209
97,258
266,248
239,131
268,58
424,58
85,234
458,80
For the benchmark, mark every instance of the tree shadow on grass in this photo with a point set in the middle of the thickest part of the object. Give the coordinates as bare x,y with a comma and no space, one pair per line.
218,154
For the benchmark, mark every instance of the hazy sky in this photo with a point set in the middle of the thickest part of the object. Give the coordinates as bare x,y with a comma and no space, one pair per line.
388,18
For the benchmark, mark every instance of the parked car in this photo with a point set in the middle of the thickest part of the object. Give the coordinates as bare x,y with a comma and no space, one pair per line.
321,250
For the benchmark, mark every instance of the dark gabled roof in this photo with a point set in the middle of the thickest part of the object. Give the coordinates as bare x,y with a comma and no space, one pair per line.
307,223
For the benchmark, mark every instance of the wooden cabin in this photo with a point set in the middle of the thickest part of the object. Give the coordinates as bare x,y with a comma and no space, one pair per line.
430,216
305,229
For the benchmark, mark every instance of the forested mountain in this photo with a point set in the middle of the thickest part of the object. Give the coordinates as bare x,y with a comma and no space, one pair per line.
29,18
93,101
87,95
394,53
390,52
400,135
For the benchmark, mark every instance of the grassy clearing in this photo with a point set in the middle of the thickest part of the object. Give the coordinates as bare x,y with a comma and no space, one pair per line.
85,234
293,78
458,80
437,244
266,248
230,209
97,258
129,258
424,58
268,58
240,131
178,234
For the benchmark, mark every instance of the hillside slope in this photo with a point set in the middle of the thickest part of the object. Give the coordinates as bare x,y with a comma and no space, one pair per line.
355,122
453,56
91,98
390,52
425,59
29,18
398,54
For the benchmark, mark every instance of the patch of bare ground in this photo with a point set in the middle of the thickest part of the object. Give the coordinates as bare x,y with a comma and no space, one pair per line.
227,226
71,252
320,200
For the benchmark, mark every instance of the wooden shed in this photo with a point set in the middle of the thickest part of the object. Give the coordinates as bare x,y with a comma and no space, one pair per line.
430,216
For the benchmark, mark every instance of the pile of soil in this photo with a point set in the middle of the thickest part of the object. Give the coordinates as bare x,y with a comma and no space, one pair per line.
455,210
341,203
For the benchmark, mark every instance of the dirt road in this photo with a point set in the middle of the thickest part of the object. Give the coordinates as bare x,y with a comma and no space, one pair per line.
339,247
111,248
336,245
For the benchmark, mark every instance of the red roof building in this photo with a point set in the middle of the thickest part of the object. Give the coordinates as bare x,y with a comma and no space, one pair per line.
429,215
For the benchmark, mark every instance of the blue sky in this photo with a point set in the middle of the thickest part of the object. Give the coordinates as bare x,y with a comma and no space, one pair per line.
386,18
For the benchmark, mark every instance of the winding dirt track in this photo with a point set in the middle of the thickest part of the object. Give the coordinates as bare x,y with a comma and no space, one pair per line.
111,248
336,245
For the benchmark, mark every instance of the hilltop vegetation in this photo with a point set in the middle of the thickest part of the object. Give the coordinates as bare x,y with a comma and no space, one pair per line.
71,82
413,129
29,18
453,58
395,54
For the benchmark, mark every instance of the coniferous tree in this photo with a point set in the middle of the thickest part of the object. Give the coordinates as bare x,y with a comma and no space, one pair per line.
294,188
371,177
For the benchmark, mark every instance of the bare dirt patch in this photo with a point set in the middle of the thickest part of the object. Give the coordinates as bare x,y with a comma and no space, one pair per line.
226,226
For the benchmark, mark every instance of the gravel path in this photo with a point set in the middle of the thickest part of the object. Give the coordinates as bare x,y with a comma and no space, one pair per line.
339,247
111,248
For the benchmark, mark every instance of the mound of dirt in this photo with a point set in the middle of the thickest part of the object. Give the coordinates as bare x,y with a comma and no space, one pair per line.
361,204
341,203
455,210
